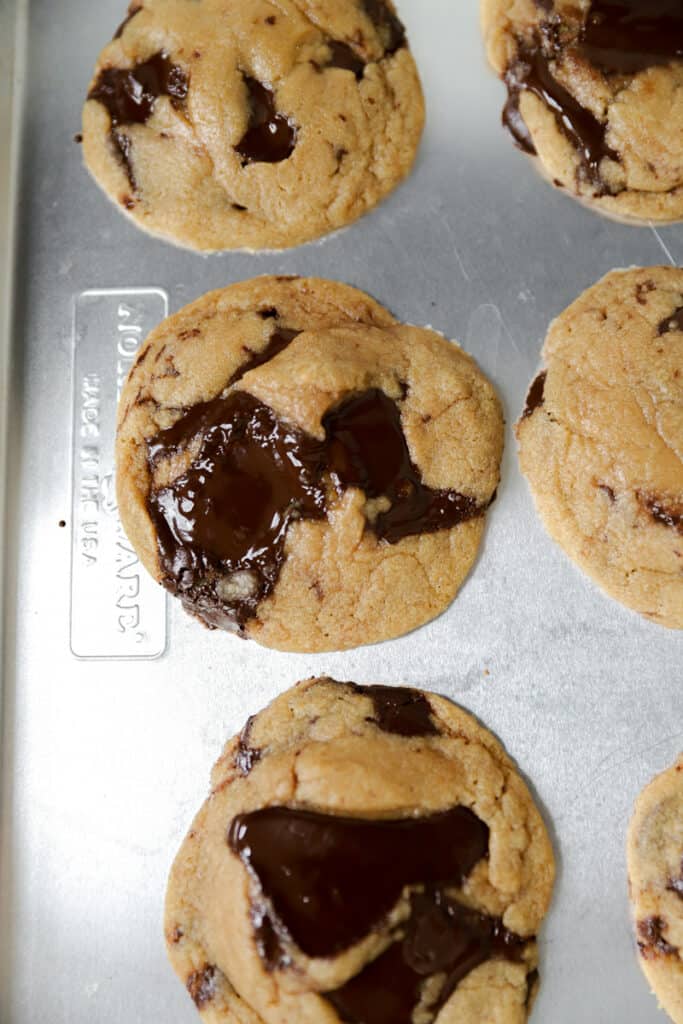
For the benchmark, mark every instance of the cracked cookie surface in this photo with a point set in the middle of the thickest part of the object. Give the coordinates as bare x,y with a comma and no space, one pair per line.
298,467
655,868
221,125
601,439
394,804
595,90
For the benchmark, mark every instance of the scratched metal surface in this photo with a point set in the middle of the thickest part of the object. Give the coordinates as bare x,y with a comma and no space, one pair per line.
105,761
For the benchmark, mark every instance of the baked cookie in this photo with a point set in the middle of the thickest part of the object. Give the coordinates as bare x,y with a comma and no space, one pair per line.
595,90
655,869
367,854
601,438
300,468
219,124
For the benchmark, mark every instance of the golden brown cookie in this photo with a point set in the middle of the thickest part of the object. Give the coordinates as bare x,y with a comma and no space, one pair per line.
219,124
595,90
601,439
366,854
298,467
655,867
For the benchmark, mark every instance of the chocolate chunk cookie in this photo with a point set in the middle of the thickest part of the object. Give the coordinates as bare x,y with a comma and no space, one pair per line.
595,90
219,124
655,867
601,438
299,468
368,854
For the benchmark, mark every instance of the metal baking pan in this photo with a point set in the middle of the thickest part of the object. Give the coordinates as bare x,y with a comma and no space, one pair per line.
115,708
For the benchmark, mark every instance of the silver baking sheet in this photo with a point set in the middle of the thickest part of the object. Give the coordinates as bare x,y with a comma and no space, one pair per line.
108,741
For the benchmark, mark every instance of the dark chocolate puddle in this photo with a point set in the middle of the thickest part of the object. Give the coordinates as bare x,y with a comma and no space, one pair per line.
627,36
443,938
222,525
229,513
270,137
326,882
619,36
400,710
130,95
531,72
367,449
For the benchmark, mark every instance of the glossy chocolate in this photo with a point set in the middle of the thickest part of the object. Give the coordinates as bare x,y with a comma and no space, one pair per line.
531,72
367,449
389,26
536,396
442,938
270,137
627,36
310,865
331,881
671,323
400,710
229,513
130,95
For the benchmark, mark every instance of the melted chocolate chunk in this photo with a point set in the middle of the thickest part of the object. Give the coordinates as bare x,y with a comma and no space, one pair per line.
531,72
246,756
202,985
671,323
331,880
270,137
229,513
366,448
132,11
664,513
400,710
342,56
627,36
130,95
390,27
442,938
652,942
536,395
278,343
